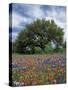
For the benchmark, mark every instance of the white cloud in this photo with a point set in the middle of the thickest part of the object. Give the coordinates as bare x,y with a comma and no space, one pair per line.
17,19
35,11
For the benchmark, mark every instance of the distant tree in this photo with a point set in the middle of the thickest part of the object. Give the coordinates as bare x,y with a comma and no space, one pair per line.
38,34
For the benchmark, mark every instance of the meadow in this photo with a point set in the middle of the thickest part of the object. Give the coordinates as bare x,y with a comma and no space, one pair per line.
38,69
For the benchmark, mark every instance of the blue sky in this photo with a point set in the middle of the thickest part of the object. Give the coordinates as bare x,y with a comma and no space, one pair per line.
23,14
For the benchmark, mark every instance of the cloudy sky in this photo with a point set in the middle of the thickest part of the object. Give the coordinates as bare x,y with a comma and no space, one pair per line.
23,14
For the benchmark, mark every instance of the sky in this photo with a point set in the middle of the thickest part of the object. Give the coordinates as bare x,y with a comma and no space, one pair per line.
23,14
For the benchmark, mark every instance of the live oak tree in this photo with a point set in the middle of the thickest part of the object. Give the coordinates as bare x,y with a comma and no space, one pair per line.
38,34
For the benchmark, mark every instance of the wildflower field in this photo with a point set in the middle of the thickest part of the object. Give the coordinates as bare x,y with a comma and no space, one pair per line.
38,69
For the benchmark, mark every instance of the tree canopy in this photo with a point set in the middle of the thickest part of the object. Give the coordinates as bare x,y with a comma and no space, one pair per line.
37,35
